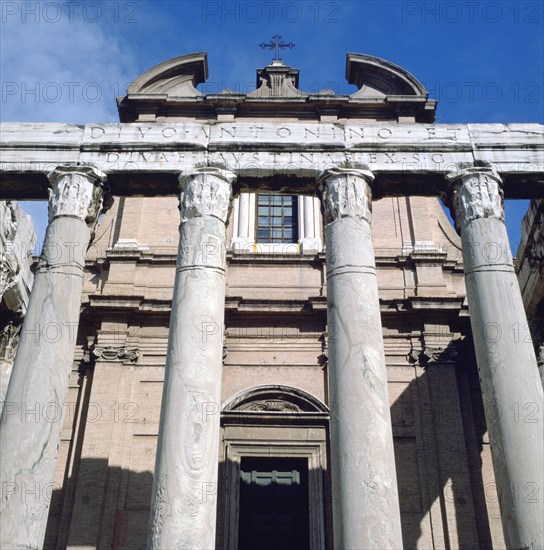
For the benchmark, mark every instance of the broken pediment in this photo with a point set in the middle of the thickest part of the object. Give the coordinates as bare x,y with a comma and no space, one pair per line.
176,77
377,77
168,90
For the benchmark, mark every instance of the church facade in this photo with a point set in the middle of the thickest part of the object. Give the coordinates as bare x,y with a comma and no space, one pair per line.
254,326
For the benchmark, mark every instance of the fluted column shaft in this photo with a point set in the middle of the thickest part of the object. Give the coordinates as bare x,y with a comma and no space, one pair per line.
509,378
365,497
184,500
31,422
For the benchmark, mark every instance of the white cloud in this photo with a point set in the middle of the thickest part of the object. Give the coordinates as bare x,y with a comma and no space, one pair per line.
51,71
68,70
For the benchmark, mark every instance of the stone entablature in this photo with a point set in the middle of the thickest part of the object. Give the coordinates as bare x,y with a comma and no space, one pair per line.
406,159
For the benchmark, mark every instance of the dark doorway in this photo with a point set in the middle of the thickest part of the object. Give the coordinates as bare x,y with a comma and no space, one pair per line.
274,504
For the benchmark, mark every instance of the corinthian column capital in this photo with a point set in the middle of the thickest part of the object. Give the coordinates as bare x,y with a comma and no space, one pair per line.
206,191
76,191
346,192
475,192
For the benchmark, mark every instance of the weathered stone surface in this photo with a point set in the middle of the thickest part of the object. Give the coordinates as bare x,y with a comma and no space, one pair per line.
71,195
479,196
530,272
344,196
31,418
184,505
17,241
257,149
366,507
511,387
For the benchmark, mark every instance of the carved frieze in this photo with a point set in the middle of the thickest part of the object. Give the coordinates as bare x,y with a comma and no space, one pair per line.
17,240
346,192
434,353
257,148
115,353
274,398
270,405
476,192
206,191
9,337
8,228
7,277
76,191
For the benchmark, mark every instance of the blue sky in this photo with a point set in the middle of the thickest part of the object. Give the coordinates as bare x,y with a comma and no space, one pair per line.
66,61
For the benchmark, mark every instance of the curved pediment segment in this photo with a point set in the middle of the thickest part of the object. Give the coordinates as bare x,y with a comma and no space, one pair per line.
274,399
377,77
175,77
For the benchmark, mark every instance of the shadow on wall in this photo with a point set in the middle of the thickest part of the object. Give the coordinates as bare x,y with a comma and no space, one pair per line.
106,507
439,430
439,450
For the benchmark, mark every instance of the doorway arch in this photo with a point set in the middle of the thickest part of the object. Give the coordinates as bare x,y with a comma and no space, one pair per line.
272,425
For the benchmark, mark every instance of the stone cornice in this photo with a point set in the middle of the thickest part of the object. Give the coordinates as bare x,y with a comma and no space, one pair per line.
312,306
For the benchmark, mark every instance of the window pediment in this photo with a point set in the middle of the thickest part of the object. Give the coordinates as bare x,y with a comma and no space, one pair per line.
274,399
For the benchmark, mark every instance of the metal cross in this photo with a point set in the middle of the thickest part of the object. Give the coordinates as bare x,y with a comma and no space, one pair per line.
276,44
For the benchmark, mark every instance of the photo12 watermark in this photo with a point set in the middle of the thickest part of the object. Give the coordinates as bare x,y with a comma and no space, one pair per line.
271,12
472,12
56,12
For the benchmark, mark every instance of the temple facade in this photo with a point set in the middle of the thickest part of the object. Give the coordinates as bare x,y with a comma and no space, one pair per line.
253,325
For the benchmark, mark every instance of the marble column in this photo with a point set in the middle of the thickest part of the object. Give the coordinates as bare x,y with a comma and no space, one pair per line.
31,420
509,378
183,510
365,497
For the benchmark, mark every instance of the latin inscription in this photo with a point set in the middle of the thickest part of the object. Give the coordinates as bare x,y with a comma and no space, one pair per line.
260,134
258,162
259,148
